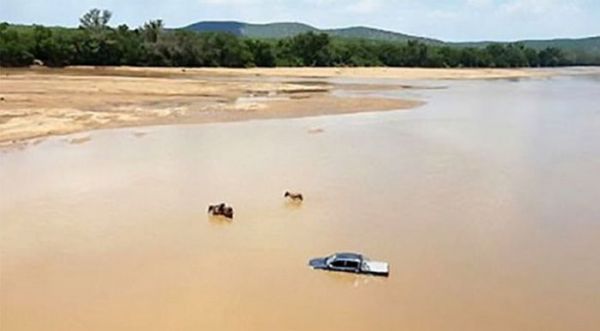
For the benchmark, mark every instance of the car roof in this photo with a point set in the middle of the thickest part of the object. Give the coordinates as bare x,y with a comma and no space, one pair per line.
346,255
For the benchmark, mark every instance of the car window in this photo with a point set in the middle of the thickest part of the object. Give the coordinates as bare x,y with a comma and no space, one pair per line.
352,264
338,264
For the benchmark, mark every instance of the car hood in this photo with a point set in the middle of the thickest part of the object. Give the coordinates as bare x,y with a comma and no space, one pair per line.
377,267
318,263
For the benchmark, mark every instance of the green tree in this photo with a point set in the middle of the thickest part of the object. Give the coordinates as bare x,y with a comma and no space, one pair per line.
312,49
14,51
497,56
95,20
130,46
95,43
262,52
515,55
551,57
416,53
391,54
533,59
152,30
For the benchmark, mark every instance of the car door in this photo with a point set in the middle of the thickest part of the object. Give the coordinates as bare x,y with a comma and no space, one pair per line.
344,265
339,265
353,265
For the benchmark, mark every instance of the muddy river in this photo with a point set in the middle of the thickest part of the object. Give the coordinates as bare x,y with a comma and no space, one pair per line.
485,201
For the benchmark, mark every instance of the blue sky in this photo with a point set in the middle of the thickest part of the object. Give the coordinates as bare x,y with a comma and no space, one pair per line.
453,20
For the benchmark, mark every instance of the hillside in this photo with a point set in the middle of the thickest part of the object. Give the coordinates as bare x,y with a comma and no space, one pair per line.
591,43
286,29
583,50
586,50
272,30
362,32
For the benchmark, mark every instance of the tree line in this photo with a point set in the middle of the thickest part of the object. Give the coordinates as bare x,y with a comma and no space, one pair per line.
94,42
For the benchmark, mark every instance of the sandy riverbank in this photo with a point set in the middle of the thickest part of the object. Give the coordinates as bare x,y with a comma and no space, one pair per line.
40,102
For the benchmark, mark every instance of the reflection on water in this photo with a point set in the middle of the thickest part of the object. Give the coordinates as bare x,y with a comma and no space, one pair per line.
484,201
352,280
219,220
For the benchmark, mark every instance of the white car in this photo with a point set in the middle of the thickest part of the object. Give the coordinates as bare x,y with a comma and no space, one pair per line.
350,262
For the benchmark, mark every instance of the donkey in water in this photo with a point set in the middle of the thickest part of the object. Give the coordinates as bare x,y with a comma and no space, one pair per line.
297,197
221,210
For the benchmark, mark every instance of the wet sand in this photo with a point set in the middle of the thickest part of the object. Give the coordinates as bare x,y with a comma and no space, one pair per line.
41,102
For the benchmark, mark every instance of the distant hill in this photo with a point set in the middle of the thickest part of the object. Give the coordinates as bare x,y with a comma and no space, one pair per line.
287,29
590,43
584,49
362,32
583,46
272,30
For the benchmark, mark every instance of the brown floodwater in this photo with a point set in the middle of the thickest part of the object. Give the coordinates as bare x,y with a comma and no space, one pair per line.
485,201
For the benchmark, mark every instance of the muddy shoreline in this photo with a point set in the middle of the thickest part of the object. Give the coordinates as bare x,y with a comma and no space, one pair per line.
41,102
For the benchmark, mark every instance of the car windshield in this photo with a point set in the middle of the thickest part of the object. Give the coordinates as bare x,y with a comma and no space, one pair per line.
330,259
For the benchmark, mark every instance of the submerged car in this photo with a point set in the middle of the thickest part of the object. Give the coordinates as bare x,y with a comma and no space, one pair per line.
350,262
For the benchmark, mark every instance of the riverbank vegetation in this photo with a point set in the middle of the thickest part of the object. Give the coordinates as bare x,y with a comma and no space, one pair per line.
94,42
